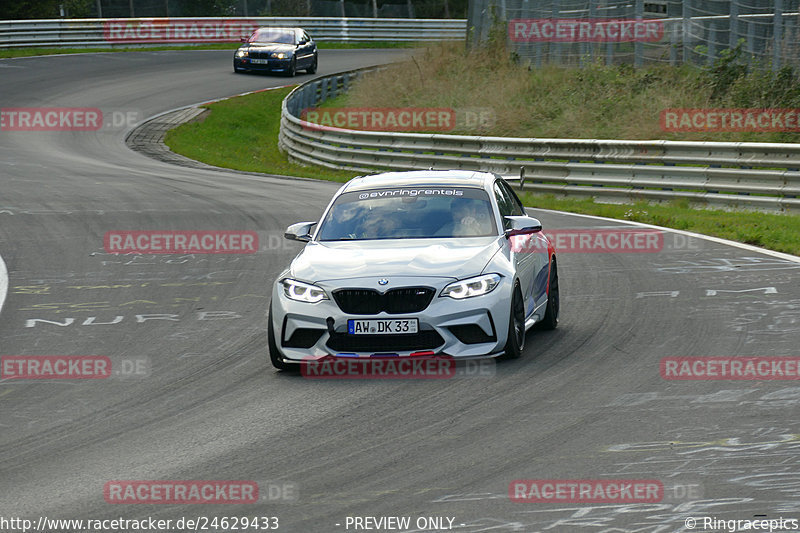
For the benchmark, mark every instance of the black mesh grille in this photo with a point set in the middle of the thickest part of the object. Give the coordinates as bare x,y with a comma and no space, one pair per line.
303,338
259,55
359,301
424,340
394,301
471,334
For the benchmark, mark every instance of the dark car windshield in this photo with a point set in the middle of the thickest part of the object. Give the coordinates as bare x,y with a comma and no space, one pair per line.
409,213
271,35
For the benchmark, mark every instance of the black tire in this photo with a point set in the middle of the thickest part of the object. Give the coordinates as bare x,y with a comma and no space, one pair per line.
292,68
275,355
516,327
313,68
550,320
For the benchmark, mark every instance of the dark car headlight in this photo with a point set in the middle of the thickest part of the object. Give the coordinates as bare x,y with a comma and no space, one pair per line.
467,288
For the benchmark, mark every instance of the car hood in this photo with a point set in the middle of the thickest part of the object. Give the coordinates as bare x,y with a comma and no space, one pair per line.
450,258
269,47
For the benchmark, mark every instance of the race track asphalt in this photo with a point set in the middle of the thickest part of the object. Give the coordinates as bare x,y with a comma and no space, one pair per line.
586,401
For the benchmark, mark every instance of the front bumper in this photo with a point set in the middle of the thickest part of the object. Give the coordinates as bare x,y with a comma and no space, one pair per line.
470,328
272,65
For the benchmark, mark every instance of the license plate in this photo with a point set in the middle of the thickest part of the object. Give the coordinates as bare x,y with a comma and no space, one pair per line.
260,61
383,327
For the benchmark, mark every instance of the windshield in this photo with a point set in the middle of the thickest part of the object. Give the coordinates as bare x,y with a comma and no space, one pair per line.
409,213
271,35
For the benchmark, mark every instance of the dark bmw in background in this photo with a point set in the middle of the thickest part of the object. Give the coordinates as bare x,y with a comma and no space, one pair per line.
285,50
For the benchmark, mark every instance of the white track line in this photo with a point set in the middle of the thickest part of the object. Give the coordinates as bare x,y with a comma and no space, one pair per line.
3,282
743,246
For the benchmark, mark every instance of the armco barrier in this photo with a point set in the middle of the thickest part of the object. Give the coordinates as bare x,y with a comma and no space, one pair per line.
144,31
748,175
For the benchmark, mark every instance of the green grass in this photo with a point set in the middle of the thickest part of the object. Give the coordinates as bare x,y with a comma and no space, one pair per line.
773,231
242,133
29,52
593,102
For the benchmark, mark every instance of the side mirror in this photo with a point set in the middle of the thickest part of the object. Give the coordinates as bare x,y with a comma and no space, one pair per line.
302,42
300,231
243,39
521,225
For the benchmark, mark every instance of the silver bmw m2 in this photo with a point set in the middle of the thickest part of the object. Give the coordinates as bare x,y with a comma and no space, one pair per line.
407,264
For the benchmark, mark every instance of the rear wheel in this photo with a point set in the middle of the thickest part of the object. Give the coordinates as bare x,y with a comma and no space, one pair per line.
313,68
550,320
516,327
275,354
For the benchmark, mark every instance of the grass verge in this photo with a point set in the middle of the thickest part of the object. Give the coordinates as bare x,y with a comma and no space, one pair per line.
30,52
594,102
772,231
242,133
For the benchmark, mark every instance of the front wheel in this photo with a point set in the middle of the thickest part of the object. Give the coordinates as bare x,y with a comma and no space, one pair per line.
516,327
292,70
274,353
550,320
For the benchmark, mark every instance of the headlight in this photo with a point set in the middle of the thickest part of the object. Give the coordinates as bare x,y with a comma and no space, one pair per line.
241,53
468,288
302,292
281,55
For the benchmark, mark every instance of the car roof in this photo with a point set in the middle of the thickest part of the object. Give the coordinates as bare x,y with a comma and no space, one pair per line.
420,178
279,28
